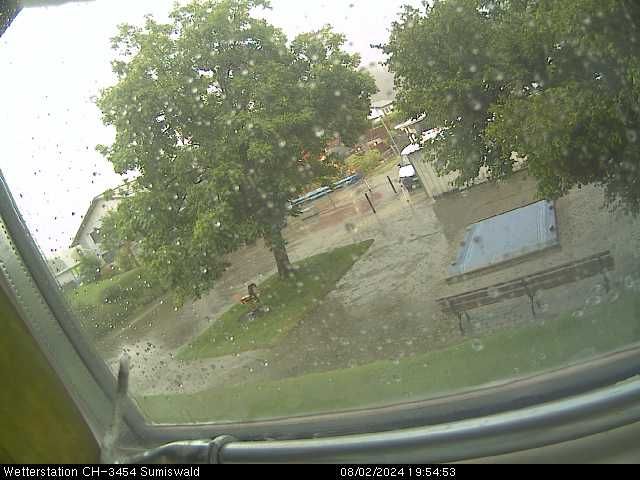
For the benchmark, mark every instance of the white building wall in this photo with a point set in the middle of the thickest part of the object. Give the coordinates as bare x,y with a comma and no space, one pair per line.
93,222
63,264
66,278
436,185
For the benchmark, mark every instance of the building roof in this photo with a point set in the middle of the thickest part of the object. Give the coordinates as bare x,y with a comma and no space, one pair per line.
59,266
66,269
56,264
381,103
411,148
433,134
377,107
410,122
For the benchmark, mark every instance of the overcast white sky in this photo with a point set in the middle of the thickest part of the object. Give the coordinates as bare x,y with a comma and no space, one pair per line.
54,60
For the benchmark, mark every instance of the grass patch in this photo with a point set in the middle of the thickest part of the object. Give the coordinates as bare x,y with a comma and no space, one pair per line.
111,304
496,357
364,162
386,165
289,300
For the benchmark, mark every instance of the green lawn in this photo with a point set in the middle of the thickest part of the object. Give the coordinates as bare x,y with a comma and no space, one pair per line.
385,165
289,302
111,304
510,353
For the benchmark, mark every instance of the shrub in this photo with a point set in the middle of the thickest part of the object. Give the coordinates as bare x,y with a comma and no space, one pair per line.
109,271
364,162
113,303
89,267
125,259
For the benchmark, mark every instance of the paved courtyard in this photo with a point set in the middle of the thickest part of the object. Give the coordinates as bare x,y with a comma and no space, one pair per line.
384,307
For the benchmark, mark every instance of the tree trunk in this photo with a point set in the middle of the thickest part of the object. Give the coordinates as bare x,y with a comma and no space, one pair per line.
129,247
277,244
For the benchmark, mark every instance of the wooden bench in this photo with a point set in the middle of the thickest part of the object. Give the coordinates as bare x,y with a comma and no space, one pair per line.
528,285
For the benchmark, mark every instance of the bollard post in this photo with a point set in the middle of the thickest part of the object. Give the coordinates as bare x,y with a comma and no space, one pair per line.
392,185
370,204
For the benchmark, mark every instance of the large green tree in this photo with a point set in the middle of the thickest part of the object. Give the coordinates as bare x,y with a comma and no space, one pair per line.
224,122
555,81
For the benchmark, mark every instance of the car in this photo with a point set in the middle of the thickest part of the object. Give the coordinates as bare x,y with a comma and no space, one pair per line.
407,177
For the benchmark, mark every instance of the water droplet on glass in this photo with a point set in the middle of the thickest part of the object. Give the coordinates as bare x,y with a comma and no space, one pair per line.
477,344
629,282
594,300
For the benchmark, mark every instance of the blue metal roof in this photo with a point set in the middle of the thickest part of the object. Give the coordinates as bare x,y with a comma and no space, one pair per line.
507,236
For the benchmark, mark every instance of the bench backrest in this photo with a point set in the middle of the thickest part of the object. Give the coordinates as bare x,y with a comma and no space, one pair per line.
529,284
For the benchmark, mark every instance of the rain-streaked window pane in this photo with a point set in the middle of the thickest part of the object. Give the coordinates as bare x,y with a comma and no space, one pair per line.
286,208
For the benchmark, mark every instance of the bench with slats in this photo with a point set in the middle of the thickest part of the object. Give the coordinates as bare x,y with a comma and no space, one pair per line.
528,285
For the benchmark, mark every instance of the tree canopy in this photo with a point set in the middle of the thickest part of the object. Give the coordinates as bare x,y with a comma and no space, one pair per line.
556,81
224,121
